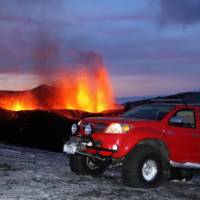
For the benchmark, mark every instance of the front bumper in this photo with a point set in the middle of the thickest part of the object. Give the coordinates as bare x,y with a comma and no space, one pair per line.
86,145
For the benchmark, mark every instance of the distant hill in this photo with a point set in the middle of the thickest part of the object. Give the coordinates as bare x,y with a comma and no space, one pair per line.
41,91
122,100
186,97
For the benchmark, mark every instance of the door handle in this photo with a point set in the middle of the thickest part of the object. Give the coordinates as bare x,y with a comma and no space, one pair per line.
168,132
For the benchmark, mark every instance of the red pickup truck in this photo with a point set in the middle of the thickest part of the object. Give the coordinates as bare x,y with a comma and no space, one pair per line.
152,142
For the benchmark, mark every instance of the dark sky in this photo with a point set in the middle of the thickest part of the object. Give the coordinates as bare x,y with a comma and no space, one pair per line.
149,47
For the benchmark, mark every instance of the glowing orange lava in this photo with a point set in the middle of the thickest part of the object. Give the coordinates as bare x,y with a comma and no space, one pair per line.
89,92
18,102
86,90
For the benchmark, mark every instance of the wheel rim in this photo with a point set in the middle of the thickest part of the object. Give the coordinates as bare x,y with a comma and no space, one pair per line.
91,163
149,170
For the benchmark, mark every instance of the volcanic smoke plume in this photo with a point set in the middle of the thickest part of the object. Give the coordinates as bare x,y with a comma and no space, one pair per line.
83,86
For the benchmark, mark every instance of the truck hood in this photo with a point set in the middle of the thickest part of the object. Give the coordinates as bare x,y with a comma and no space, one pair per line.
103,122
108,120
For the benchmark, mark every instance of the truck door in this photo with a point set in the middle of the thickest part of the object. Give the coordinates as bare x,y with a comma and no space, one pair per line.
183,136
198,134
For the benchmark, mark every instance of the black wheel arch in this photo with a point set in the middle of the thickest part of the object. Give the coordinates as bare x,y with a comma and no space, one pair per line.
157,143
163,148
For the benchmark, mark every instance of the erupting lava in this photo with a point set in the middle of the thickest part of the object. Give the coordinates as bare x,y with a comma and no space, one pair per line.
90,92
18,102
85,90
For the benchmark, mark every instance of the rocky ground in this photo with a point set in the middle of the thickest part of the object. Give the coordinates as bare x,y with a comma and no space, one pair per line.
27,174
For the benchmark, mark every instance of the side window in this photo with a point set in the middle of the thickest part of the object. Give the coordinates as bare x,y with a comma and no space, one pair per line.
183,118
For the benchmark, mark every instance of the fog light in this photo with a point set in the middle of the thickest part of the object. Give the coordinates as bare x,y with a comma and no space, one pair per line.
74,129
88,129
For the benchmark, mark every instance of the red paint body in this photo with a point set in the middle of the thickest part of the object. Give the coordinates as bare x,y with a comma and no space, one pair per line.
183,144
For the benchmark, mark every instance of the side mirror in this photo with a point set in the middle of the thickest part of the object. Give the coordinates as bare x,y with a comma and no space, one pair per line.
177,121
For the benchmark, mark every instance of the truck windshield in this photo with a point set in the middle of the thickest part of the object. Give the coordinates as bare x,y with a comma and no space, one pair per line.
150,112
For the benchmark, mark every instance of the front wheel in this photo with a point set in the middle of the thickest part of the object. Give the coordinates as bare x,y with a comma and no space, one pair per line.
144,167
85,165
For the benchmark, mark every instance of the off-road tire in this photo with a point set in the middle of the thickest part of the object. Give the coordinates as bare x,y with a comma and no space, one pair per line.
134,162
79,164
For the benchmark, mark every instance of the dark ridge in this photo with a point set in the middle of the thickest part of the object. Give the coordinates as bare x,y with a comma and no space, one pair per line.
41,129
186,97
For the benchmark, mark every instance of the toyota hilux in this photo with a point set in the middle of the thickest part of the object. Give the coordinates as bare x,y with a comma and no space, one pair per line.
151,142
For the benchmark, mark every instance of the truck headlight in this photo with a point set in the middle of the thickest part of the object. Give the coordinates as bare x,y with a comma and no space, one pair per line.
117,128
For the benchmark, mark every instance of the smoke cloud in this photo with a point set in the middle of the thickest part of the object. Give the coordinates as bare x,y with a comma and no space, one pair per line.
179,12
36,39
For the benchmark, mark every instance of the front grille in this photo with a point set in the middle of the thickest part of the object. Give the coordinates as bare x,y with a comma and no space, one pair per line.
86,140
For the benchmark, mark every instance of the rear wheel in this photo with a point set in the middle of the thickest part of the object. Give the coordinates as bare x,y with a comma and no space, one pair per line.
85,165
144,167
181,174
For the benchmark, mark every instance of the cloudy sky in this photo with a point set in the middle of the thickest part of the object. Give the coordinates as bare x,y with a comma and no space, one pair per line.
150,47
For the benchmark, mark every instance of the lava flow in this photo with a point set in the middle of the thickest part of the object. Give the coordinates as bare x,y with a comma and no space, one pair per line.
18,102
84,90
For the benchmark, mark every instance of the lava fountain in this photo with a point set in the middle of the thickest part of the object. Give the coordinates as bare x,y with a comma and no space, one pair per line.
86,90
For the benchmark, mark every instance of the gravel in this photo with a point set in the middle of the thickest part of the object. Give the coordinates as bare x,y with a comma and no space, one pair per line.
28,174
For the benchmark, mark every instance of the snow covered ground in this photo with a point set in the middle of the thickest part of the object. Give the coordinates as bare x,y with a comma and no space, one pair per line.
27,174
